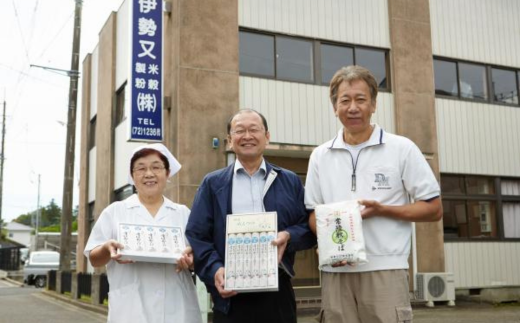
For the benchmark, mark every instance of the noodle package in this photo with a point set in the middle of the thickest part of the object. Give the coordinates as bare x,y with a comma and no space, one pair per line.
340,233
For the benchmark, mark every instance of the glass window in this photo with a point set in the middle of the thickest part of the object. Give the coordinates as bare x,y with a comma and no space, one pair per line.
375,61
124,192
482,219
294,59
452,185
256,54
503,83
455,220
332,59
472,81
120,105
510,187
477,185
445,78
511,215
92,134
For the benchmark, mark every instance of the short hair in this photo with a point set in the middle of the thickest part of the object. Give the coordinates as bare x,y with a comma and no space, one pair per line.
264,121
349,74
147,152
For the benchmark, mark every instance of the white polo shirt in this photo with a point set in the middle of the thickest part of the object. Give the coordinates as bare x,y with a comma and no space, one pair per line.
389,169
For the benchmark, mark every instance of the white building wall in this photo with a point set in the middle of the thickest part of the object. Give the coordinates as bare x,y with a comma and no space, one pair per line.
477,30
92,175
23,237
358,22
478,138
122,44
483,264
94,82
301,114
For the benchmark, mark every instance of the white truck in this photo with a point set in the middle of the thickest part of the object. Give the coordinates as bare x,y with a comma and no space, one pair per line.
36,268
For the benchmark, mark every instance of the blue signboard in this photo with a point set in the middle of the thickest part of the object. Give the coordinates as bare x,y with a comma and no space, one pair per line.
146,63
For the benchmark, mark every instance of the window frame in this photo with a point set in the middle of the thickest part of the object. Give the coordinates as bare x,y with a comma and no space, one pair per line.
316,57
492,91
488,70
497,198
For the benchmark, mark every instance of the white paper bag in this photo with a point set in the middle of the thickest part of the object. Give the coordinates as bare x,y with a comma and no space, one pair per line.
340,233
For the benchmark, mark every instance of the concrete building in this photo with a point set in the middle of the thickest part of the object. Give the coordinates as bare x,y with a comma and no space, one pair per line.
449,80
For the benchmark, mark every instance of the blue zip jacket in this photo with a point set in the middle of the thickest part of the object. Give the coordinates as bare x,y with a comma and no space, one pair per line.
206,228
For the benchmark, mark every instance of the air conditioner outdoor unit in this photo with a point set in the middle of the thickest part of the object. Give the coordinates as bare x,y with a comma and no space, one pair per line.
435,287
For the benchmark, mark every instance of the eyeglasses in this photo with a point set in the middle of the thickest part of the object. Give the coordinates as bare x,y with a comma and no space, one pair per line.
141,170
252,131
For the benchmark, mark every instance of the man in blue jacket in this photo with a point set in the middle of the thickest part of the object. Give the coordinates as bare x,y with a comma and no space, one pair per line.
249,185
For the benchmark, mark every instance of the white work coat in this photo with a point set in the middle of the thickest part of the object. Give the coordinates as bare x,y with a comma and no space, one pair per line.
145,292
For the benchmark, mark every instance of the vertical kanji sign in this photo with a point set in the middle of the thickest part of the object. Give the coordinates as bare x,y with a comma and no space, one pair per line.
146,63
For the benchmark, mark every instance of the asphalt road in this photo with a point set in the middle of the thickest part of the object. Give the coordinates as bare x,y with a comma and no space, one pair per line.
28,305
463,312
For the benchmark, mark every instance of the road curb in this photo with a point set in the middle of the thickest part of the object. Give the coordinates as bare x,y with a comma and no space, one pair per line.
12,281
100,309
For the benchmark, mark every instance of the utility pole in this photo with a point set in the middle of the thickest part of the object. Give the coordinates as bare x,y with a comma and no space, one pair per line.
38,213
2,168
68,179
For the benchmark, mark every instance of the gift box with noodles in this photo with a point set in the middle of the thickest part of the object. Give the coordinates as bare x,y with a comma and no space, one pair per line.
251,259
340,233
150,243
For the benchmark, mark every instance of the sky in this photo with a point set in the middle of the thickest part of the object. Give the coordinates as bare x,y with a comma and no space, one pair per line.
39,32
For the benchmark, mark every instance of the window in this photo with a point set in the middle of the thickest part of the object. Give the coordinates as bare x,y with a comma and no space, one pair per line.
294,59
332,59
375,61
445,78
511,208
476,82
124,192
504,86
469,204
472,81
120,105
92,134
281,57
476,209
256,54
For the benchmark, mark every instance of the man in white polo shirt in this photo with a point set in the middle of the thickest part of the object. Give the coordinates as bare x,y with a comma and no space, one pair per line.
383,171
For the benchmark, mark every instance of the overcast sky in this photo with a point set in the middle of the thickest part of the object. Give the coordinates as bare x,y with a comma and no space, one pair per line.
40,32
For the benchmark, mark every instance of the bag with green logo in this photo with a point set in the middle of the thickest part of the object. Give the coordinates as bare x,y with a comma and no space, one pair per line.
340,233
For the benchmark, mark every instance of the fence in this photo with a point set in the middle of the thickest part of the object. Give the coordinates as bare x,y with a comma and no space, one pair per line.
78,285
10,258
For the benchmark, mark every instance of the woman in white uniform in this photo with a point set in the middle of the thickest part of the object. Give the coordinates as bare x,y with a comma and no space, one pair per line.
143,292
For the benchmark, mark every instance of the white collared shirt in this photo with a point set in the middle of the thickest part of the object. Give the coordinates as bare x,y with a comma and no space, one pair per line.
247,195
145,292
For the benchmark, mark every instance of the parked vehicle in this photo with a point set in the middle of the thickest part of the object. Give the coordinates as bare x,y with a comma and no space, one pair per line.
36,268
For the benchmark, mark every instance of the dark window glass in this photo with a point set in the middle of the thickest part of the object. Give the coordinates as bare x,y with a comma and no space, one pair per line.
452,185
92,134
480,185
123,193
472,81
455,219
482,219
332,59
91,217
120,105
256,54
375,61
445,78
294,59
505,89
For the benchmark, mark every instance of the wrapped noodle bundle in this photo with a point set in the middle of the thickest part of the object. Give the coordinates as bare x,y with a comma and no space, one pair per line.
340,233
